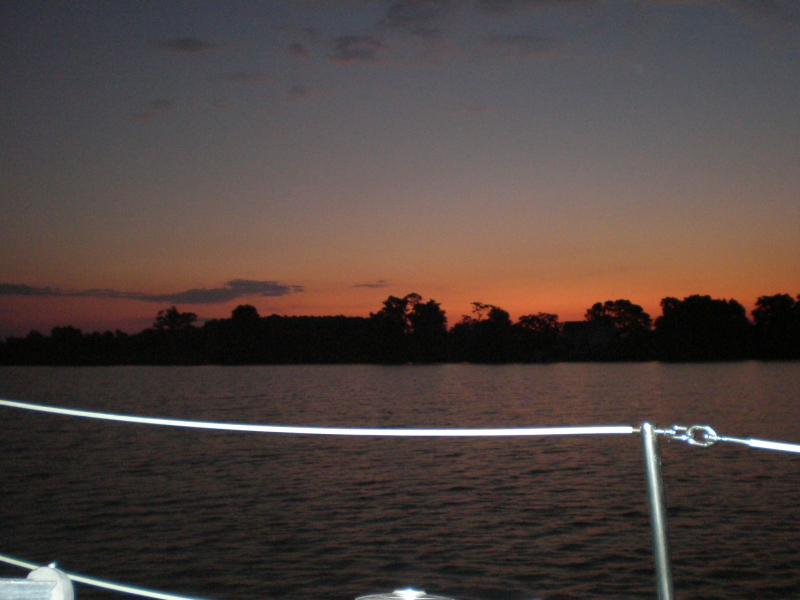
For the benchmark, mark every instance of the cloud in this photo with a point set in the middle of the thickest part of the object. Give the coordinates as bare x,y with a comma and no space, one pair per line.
785,15
310,34
375,285
162,104
186,45
232,290
298,50
154,108
244,77
470,109
502,7
236,288
299,91
357,48
521,45
19,289
424,18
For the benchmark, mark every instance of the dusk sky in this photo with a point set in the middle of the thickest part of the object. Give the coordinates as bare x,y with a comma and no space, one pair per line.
314,157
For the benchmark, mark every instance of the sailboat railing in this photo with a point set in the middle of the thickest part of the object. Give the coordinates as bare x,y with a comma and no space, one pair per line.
702,436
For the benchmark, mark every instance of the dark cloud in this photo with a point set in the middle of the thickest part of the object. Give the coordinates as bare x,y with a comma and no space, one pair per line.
521,45
236,288
19,289
501,7
470,109
381,283
153,109
357,48
162,104
245,77
424,18
310,34
784,14
186,45
299,91
298,50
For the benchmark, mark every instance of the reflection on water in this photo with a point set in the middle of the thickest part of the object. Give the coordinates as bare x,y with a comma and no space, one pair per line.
252,516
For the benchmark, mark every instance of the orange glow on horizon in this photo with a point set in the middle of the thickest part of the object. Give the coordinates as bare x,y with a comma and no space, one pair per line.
18,315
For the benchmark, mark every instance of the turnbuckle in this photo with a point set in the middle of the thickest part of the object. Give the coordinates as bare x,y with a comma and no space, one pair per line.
702,436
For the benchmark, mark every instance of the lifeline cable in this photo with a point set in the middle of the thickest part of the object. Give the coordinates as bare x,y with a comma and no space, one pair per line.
696,435
345,431
285,429
759,444
708,436
100,583
763,444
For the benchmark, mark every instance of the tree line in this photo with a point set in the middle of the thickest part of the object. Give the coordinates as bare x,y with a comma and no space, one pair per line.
412,329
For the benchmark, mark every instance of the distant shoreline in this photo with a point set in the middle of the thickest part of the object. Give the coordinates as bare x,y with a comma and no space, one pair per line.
410,330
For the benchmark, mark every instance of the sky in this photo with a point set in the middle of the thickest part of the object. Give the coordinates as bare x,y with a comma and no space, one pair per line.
316,156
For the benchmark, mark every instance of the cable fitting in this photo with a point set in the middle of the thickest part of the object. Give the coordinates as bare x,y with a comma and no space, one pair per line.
702,436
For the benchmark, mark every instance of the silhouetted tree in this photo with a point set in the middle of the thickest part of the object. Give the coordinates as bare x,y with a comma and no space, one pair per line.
173,339
625,316
623,327
66,335
428,330
68,344
245,314
241,339
537,337
701,328
411,329
408,329
34,349
390,325
485,336
171,319
777,326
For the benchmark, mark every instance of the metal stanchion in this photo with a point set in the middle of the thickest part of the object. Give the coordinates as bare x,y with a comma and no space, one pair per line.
658,516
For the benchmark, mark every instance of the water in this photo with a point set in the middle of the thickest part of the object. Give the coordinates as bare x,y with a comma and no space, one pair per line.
228,515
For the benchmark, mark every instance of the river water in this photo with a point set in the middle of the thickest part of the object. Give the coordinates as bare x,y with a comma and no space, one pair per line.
231,515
